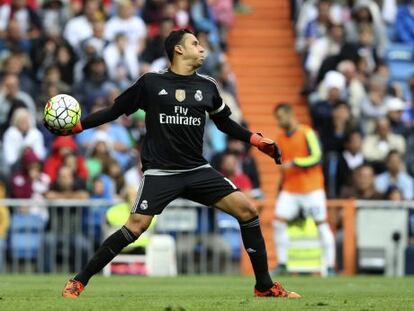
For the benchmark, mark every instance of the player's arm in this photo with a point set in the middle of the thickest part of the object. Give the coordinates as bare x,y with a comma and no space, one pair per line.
315,153
233,129
220,115
127,102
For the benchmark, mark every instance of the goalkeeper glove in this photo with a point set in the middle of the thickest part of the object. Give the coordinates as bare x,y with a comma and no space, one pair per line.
266,146
61,132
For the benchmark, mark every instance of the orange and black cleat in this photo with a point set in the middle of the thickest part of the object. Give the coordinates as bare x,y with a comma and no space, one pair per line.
72,289
277,291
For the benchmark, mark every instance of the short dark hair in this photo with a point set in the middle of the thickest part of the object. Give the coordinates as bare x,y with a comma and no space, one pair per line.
172,40
283,106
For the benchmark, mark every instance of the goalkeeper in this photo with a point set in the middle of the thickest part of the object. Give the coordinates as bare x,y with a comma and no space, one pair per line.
176,101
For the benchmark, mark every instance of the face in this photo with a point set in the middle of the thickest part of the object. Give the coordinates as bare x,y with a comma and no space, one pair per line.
229,165
383,127
355,143
23,123
341,114
126,10
364,178
11,83
394,163
324,8
65,178
191,50
283,118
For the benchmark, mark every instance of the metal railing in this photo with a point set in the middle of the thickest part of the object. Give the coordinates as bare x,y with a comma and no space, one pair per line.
59,236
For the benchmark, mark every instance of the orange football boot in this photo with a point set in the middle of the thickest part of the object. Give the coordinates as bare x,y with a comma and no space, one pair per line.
276,290
72,289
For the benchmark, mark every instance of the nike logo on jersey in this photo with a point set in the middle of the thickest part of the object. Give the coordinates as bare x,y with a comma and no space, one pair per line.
251,250
163,92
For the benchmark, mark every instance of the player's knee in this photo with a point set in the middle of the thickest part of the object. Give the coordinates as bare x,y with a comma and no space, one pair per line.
138,224
247,212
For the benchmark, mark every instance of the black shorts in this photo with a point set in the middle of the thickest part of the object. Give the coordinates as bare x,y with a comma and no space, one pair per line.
205,186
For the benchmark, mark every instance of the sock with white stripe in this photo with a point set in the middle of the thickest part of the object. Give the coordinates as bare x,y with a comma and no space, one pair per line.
111,247
328,244
255,246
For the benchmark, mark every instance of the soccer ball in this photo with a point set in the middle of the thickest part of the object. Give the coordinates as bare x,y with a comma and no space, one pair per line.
62,112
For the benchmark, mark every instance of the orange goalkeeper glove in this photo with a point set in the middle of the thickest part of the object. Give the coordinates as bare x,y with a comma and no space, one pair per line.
267,146
74,130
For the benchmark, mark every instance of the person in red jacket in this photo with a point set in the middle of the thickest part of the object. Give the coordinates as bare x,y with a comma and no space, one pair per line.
62,146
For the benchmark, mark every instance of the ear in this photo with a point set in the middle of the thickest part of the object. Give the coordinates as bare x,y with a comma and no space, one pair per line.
179,49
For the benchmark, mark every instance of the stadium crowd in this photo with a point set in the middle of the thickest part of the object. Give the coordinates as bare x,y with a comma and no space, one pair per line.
93,50
361,101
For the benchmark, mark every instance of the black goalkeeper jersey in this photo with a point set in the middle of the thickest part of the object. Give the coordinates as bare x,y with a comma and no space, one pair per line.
175,107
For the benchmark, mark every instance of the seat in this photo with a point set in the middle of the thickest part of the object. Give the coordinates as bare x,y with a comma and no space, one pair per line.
400,60
26,236
229,229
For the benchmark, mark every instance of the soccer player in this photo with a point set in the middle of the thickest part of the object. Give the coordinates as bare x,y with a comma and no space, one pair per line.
176,101
302,185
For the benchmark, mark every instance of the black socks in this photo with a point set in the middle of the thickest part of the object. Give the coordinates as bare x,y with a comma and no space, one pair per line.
255,247
111,247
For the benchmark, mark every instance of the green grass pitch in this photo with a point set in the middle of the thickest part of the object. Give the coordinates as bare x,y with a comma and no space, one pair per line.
30,292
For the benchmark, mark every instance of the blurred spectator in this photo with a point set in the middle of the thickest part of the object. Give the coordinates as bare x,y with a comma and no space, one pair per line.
212,61
52,85
94,84
341,123
376,146
404,23
30,183
137,129
65,60
20,135
99,154
203,19
315,28
154,48
393,194
54,15
26,17
395,108
363,51
151,12
408,115
126,22
395,176
17,64
114,171
338,167
321,110
96,41
182,15
367,13
80,27
373,106
323,47
362,186
355,87
67,186
10,95
4,224
122,61
62,146
14,40
117,136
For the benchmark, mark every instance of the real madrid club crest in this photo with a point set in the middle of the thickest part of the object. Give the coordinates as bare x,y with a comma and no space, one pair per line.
144,205
198,96
180,95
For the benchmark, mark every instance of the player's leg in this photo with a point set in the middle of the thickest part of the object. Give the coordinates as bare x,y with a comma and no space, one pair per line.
315,202
286,209
154,194
239,206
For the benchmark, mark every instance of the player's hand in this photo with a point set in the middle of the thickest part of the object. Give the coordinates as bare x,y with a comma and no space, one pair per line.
267,146
76,129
